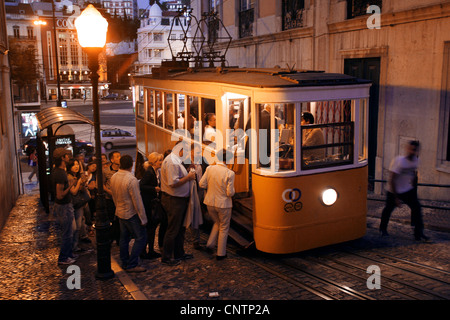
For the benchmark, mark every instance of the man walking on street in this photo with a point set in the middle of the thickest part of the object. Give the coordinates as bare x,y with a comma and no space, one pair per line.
402,186
62,208
131,213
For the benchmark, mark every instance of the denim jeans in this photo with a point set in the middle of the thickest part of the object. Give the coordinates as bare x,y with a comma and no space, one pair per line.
64,214
131,228
78,215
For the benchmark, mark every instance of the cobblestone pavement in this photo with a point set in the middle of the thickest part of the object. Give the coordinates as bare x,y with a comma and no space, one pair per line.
29,270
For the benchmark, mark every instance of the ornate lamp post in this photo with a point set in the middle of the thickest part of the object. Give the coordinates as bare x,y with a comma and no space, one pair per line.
91,28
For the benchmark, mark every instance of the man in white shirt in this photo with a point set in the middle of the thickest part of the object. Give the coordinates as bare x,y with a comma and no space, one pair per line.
402,186
175,191
218,181
131,213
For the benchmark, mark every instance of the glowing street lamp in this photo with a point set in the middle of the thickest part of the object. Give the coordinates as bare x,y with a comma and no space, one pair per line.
91,28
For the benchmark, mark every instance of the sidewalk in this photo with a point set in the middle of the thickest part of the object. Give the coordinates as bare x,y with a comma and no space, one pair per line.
29,250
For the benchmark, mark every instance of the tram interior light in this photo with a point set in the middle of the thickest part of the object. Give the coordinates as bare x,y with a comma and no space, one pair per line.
329,197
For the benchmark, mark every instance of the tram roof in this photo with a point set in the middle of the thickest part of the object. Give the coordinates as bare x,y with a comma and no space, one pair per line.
262,78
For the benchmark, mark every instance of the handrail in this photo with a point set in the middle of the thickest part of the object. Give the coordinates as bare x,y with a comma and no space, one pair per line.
420,185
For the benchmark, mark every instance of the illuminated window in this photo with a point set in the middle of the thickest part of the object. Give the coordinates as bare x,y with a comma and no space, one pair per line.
327,132
63,59
150,106
169,110
209,121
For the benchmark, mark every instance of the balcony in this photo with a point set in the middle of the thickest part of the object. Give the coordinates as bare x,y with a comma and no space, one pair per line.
356,8
292,14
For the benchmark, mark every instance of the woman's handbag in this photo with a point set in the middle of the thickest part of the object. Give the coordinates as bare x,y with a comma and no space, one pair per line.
81,198
157,211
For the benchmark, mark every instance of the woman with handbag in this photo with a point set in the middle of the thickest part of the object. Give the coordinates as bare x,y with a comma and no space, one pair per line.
151,195
80,198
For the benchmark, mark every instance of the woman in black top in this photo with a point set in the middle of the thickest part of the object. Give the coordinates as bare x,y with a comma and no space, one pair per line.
150,189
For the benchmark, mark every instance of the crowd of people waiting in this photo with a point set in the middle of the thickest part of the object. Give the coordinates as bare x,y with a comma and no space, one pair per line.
178,191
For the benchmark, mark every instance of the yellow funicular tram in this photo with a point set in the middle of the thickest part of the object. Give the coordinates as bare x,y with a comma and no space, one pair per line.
307,180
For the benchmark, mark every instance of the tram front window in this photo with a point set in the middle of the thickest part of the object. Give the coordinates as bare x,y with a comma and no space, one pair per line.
327,133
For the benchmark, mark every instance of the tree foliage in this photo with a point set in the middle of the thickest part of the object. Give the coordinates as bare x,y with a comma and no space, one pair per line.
121,29
24,64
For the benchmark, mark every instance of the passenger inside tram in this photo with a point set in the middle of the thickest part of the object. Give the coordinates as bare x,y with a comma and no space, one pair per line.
312,137
209,135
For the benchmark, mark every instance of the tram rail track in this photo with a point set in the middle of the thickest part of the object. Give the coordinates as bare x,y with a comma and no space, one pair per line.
273,268
291,271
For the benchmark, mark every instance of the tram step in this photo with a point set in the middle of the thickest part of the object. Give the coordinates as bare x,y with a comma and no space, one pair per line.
243,221
243,242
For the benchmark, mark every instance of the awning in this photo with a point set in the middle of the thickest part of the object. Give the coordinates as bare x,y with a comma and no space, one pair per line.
59,115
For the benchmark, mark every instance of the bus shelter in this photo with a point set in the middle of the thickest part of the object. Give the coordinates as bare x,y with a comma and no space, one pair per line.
53,119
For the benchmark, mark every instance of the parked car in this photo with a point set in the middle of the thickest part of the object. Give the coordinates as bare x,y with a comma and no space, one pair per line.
81,146
117,138
111,96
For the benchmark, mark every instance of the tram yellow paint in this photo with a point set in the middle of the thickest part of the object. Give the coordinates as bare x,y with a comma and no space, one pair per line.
289,216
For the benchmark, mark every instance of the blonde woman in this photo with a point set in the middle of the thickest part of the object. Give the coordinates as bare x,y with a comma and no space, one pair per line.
150,186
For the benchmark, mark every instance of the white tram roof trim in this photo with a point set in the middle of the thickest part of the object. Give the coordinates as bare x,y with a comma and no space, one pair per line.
262,78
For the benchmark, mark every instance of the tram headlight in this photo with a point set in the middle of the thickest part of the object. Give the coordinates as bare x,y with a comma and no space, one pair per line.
329,197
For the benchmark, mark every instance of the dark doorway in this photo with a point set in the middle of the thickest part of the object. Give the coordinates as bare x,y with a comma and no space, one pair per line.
368,68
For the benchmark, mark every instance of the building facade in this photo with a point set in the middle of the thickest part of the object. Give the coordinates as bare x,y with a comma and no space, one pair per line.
120,8
403,46
61,53
9,177
158,28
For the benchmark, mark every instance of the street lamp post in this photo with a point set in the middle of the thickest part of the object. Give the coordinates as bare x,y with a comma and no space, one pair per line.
58,77
91,28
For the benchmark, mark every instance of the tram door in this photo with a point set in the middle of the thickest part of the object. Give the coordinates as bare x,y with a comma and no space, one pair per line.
368,68
237,141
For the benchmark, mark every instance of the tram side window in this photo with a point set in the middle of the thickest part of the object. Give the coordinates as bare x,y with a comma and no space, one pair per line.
159,110
327,134
150,106
193,123
180,112
285,140
265,131
168,112
140,111
236,125
209,121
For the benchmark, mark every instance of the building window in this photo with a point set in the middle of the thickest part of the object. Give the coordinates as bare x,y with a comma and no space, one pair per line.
84,58
63,55
157,37
16,30
158,53
356,8
74,54
30,32
246,18
292,13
